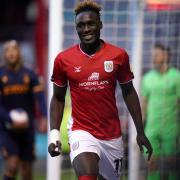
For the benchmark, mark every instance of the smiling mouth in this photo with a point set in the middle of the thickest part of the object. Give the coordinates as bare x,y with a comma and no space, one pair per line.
87,37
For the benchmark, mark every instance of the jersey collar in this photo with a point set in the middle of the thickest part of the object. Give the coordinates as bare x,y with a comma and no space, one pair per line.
91,56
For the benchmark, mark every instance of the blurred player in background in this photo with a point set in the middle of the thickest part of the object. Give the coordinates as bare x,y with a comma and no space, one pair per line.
161,93
92,69
19,87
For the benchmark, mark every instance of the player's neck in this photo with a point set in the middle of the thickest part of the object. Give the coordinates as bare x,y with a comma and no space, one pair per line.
91,49
163,69
14,67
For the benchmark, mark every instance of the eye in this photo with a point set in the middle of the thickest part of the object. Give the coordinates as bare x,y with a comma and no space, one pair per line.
79,25
91,23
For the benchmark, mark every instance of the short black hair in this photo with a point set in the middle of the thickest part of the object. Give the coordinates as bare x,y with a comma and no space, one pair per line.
87,5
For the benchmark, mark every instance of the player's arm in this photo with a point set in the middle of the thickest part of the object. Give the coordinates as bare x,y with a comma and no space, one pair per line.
39,96
42,106
178,95
144,103
56,115
145,92
4,116
57,106
132,101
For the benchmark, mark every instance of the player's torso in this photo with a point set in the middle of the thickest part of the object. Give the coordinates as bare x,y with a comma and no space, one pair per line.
92,73
92,81
162,84
15,88
163,96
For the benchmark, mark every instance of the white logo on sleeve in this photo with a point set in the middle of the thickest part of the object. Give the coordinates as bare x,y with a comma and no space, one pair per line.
108,66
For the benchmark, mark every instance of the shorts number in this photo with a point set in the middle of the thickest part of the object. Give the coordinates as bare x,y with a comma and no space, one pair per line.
118,165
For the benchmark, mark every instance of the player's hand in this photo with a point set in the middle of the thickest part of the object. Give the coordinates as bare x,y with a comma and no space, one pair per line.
42,126
54,149
19,119
19,125
142,140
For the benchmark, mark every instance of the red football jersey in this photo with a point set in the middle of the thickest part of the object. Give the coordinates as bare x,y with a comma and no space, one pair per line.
92,81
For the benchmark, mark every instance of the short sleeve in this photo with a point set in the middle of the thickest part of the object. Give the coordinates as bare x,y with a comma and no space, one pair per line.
124,73
58,76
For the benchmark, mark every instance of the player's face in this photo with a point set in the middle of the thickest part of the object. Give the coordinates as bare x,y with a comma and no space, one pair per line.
88,26
12,53
160,57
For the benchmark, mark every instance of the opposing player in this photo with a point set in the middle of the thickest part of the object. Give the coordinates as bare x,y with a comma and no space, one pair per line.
160,109
92,69
19,87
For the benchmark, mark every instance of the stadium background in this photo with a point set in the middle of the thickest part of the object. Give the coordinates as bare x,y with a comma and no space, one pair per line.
27,21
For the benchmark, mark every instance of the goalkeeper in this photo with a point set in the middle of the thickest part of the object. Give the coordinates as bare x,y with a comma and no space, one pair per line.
161,93
18,88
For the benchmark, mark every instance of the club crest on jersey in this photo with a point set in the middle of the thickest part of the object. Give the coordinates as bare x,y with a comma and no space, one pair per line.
108,66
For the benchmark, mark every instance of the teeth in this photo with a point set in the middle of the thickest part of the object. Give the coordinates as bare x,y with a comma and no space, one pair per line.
88,36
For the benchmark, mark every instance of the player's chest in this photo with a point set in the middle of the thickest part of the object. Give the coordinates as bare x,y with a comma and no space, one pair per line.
91,69
163,85
15,83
